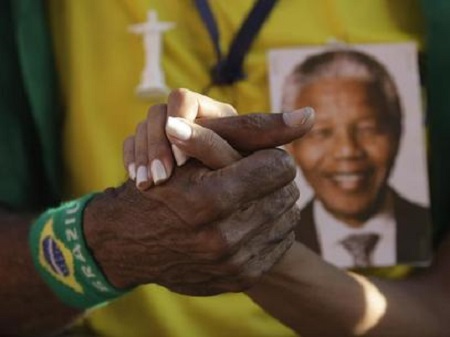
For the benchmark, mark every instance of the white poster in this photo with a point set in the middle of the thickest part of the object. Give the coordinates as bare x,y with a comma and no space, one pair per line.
362,168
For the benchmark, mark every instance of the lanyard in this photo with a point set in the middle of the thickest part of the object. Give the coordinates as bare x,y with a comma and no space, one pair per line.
228,69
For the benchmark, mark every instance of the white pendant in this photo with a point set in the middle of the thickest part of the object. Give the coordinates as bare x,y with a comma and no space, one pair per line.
152,83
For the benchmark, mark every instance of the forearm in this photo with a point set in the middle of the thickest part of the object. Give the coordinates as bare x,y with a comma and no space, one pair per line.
27,306
317,299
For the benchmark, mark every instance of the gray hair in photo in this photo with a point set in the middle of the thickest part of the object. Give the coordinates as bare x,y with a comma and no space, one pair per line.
348,64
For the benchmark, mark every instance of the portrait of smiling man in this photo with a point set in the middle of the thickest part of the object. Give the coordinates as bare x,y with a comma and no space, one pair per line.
355,219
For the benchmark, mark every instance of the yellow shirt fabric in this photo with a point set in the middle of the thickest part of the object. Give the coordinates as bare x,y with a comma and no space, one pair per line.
100,64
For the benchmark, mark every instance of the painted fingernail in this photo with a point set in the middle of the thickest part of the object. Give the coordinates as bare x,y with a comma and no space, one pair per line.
180,156
178,129
141,176
132,171
159,173
298,117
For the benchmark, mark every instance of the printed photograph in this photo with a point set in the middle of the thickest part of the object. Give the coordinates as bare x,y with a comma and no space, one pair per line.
362,168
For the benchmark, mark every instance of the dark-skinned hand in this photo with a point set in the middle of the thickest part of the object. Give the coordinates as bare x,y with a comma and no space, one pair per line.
203,231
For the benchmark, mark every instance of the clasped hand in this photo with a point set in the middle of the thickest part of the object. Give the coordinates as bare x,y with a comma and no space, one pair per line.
217,222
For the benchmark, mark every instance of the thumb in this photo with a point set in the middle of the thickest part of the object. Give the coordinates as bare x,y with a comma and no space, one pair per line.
261,130
200,143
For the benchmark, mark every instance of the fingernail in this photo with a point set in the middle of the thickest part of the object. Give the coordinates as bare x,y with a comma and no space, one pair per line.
180,156
158,171
298,117
178,129
132,171
141,176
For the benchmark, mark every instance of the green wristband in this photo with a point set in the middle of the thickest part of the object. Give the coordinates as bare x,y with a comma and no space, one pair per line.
63,259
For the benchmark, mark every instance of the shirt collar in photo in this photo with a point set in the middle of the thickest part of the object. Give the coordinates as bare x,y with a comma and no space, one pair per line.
331,232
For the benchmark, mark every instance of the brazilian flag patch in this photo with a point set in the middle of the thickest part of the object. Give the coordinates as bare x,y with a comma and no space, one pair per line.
57,259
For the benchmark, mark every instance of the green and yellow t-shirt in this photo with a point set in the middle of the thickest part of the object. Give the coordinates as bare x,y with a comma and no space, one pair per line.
100,64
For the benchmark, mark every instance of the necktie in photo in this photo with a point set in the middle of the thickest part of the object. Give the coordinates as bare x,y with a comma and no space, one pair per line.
361,248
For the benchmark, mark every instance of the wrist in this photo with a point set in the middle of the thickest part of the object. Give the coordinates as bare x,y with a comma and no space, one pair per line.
99,214
63,259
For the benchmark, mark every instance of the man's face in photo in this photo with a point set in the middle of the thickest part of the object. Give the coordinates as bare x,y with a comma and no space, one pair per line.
348,155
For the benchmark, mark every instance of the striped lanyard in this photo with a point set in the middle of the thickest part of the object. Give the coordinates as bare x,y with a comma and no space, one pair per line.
228,68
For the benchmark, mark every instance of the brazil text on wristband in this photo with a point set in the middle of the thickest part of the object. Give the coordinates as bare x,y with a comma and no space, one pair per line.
63,259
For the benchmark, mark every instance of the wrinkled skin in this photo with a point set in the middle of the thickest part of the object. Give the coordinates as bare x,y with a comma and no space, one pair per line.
202,232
